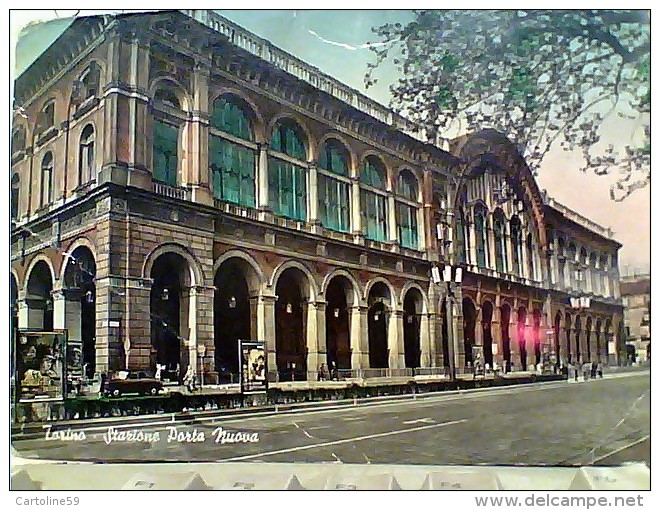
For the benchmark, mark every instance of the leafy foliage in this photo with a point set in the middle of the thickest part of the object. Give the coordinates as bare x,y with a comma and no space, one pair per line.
540,77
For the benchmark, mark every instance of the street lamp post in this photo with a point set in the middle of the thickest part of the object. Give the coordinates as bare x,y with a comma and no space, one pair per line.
449,304
201,352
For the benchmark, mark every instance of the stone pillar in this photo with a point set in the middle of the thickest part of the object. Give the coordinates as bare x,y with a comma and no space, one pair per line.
472,255
359,337
313,195
356,210
509,245
395,342
266,329
478,326
60,312
496,333
426,341
492,259
114,350
262,177
23,311
198,173
315,322
393,232
525,257
456,324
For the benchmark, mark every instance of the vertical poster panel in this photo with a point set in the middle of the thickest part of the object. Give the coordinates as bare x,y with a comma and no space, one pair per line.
252,360
40,365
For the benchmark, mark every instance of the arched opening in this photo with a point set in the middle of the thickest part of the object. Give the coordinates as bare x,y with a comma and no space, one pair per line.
235,284
412,314
339,298
578,350
169,305
469,323
505,320
522,342
378,318
560,356
486,322
599,348
80,312
39,298
292,292
536,335
569,350
589,355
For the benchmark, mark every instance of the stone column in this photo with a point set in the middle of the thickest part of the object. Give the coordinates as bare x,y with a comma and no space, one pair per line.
490,228
60,313
426,340
393,231
456,324
262,177
478,327
23,311
315,323
359,337
199,178
395,342
266,328
496,333
356,210
313,195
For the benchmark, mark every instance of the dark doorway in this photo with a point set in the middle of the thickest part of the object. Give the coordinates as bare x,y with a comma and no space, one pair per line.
522,341
505,320
412,311
337,322
169,279
578,350
569,350
469,323
557,329
536,335
486,322
39,298
589,356
378,320
231,319
291,345
445,335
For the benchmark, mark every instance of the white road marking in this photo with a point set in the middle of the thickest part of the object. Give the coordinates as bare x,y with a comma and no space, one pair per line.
602,457
341,441
421,420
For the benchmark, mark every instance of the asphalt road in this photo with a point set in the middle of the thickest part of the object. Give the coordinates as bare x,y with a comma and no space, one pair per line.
564,423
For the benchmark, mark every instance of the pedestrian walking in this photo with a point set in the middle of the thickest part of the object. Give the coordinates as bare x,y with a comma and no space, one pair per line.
594,367
585,370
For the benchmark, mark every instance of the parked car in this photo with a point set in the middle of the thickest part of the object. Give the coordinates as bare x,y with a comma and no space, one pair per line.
132,381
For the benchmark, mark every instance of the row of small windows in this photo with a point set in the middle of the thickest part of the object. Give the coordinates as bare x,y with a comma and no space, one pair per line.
233,162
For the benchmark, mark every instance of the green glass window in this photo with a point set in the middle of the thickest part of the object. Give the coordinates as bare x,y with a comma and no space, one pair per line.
287,189
333,158
232,170
516,244
373,173
230,118
406,186
406,216
374,215
166,139
334,209
480,238
460,237
500,246
286,139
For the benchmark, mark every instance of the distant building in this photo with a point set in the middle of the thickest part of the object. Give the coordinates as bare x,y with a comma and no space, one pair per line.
636,295
179,182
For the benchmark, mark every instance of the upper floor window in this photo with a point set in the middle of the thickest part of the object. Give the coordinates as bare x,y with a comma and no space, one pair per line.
516,244
500,241
334,186
46,179
595,283
87,86
86,155
229,116
461,248
232,161
46,119
15,195
481,236
18,139
373,199
406,209
165,153
287,180
168,97
530,256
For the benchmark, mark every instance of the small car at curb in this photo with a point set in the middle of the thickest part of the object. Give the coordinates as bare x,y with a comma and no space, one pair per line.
132,381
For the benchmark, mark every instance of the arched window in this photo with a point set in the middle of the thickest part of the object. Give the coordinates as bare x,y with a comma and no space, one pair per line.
406,209
334,187
18,139
90,80
516,244
167,96
500,241
571,255
287,180
373,199
15,195
232,160
481,236
593,267
46,179
461,248
86,155
166,141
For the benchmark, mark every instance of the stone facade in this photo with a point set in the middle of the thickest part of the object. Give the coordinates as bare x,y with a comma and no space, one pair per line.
164,267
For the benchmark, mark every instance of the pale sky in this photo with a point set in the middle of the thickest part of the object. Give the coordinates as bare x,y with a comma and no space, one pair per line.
331,41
